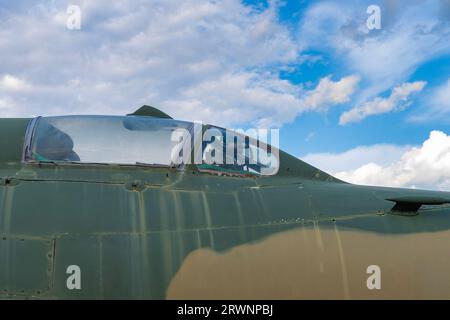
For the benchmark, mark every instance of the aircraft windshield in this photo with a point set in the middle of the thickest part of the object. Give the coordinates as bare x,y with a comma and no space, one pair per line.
146,141
105,139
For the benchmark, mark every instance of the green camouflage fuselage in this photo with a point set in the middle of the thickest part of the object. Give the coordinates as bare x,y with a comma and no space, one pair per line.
156,233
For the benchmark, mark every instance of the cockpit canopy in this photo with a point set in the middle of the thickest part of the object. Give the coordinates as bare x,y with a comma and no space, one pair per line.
104,139
139,140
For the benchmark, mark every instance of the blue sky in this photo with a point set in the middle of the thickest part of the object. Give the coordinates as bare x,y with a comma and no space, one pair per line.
371,106
392,127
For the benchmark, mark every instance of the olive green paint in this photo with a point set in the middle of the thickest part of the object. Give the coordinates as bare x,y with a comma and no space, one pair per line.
131,229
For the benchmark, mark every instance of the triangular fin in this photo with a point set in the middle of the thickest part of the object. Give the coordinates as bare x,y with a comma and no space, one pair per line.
148,111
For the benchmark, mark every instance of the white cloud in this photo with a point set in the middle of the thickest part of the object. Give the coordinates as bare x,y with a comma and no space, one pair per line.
436,104
3,104
441,98
11,83
398,99
193,59
381,154
412,33
248,98
426,166
214,61
329,92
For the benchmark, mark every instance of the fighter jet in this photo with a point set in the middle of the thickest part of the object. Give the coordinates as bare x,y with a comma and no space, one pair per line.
115,207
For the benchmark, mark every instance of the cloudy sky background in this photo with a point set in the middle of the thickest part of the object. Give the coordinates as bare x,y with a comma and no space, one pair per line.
370,106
